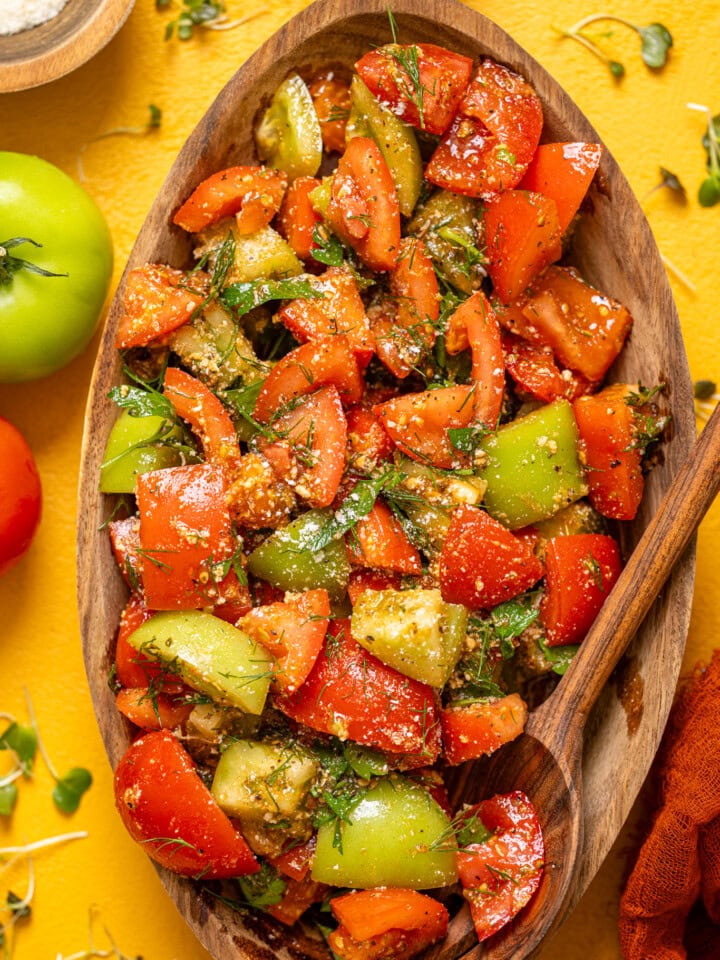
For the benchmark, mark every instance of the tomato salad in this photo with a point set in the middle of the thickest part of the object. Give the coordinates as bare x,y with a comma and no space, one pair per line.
364,459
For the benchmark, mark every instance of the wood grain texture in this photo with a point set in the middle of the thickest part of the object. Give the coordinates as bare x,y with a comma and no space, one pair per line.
52,49
614,249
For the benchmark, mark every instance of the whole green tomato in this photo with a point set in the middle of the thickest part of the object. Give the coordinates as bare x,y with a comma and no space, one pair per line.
55,267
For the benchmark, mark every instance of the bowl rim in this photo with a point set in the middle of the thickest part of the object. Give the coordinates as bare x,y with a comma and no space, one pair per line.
34,70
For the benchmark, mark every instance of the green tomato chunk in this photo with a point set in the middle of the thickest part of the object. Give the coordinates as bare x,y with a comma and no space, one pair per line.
395,836
414,631
396,140
210,655
288,561
532,466
137,445
263,781
288,136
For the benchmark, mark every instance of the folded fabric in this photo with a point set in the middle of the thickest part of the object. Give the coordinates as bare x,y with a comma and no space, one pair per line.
680,859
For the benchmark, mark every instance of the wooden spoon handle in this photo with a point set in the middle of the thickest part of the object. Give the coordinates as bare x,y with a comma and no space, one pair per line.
682,508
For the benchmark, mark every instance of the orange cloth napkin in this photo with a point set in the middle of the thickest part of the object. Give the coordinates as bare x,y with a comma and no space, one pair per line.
671,904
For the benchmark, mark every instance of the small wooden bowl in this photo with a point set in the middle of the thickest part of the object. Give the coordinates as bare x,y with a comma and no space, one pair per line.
52,49
613,248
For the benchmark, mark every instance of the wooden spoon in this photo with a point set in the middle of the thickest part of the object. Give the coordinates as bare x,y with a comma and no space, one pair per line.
546,761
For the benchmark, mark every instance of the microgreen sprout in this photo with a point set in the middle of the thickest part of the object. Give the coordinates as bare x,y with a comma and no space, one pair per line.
709,192
69,789
671,182
209,14
154,122
706,398
94,952
656,40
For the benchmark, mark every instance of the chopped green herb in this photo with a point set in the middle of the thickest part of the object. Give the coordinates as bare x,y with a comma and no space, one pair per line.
244,297
264,888
327,249
559,658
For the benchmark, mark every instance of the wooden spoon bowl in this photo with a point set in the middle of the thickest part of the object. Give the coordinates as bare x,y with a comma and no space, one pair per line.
614,249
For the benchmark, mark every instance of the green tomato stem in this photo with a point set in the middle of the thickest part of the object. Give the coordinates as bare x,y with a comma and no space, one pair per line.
10,265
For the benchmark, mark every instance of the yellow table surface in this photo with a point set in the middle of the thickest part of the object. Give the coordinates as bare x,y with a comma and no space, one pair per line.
645,123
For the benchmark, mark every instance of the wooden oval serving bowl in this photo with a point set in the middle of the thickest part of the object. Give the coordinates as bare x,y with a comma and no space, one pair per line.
613,248
52,49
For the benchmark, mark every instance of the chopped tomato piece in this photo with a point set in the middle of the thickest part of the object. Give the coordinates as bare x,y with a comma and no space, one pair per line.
125,541
184,531
208,418
476,319
477,729
534,370
418,423
155,302
339,311
378,541
614,472
585,329
297,218
256,497
293,631
421,83
482,564
353,695
167,808
363,208
523,236
500,875
414,921
298,897
296,860
331,97
403,322
152,711
580,571
362,580
563,172
493,136
368,443
310,457
134,669
253,193
303,370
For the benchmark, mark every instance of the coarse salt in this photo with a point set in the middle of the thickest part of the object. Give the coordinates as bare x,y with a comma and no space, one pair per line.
19,15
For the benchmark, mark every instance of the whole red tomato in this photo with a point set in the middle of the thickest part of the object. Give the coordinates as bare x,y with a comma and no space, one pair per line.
20,496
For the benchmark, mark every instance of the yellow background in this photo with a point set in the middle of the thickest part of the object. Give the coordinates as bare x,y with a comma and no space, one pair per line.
644,122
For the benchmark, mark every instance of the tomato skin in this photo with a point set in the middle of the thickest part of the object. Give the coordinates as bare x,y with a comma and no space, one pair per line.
311,456
500,876
418,423
614,473
477,319
184,526
298,897
381,543
523,236
295,862
482,564
206,415
353,695
136,703
364,209
443,75
362,580
297,218
20,496
253,193
46,321
534,370
492,137
161,798
563,172
403,322
155,304
293,631
580,571
331,98
368,443
303,370
477,729
133,669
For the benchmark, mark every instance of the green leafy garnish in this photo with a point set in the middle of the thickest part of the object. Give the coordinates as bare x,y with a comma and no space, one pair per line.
511,618
10,264
327,249
8,798
709,192
209,14
264,888
559,658
23,742
466,439
69,789
671,182
408,80
356,505
643,395
245,296
474,256
704,389
655,41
